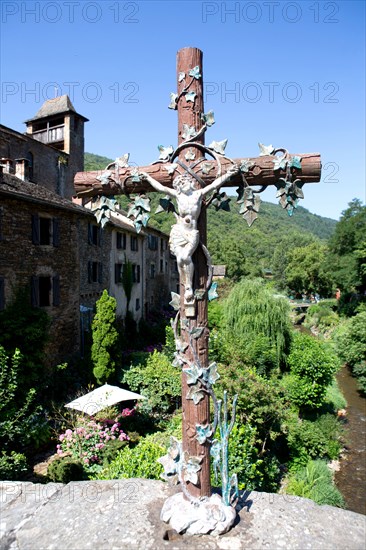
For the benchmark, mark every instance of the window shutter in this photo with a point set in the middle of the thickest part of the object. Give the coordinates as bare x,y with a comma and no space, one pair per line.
90,272
100,272
90,233
56,232
138,274
56,290
35,291
117,273
35,228
2,293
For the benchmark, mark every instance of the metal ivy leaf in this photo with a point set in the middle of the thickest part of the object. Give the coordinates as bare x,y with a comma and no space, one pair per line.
212,293
104,178
208,118
171,168
143,202
250,216
199,294
257,202
280,163
196,332
246,165
135,176
240,191
165,152
265,149
295,162
297,189
188,132
165,205
193,373
218,146
175,301
195,393
138,225
173,101
191,468
206,167
210,374
190,97
181,76
195,72
190,155
181,346
145,219
221,202
203,433
122,162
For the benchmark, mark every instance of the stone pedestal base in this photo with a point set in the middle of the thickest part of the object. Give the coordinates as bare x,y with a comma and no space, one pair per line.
209,517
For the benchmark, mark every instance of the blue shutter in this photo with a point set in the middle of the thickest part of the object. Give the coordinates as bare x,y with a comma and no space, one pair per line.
35,228
56,290
56,232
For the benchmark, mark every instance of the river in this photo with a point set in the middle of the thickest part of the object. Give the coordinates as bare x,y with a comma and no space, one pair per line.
351,478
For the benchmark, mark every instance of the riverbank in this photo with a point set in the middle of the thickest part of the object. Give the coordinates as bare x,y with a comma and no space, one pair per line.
351,477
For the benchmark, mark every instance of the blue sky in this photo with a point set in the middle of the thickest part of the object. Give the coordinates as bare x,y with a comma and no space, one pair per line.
291,74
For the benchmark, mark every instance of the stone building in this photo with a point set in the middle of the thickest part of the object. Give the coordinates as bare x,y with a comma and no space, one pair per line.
53,246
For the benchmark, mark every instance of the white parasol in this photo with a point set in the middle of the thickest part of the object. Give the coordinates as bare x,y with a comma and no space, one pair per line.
102,397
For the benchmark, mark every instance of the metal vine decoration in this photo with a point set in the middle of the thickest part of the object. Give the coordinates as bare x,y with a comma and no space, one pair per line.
178,466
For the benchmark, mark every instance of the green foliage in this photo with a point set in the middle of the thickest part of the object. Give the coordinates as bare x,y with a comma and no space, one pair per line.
334,397
139,461
322,316
317,438
307,271
13,466
255,319
158,380
95,162
350,343
26,328
348,249
105,349
64,470
315,481
18,418
312,366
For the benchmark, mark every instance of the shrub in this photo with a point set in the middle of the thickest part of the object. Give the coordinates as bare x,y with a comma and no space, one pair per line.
315,481
159,381
13,466
312,366
350,344
65,470
140,461
334,397
105,349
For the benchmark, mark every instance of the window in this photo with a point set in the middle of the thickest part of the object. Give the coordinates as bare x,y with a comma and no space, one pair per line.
95,272
121,241
137,306
134,244
94,234
118,271
152,271
45,291
161,266
152,242
163,244
45,231
30,165
136,273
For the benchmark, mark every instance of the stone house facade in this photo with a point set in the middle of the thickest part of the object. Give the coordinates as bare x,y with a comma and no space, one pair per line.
53,245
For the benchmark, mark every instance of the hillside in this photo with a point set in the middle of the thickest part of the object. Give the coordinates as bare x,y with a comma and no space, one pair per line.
244,250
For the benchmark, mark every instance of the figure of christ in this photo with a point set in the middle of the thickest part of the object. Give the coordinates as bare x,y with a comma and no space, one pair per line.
184,235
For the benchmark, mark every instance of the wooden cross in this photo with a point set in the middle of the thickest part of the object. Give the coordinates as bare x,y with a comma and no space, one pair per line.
262,172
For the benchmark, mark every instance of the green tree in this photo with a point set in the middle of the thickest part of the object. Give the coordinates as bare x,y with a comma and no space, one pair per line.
105,350
306,270
350,342
312,367
257,321
348,248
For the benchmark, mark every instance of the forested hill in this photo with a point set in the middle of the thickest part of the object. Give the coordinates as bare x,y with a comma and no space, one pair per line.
245,250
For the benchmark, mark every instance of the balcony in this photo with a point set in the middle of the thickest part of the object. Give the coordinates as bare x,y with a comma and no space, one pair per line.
50,135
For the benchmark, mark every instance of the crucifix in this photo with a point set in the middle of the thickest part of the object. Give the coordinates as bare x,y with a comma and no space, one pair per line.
187,176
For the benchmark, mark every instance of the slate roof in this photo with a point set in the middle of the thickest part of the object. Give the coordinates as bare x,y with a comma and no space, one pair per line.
56,106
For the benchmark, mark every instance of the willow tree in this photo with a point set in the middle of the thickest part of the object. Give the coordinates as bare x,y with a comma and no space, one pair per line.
257,322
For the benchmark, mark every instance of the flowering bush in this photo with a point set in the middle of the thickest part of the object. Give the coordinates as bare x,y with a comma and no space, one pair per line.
87,441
